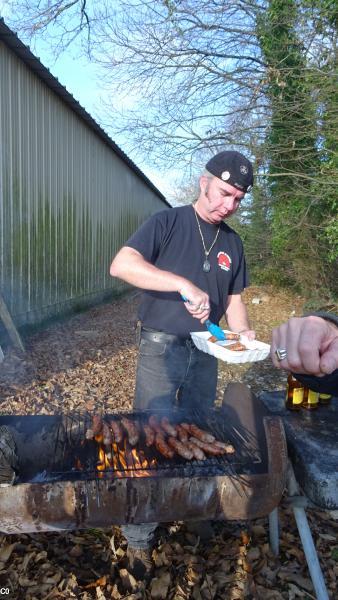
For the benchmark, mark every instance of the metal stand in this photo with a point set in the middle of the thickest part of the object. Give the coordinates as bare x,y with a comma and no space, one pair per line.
298,504
274,531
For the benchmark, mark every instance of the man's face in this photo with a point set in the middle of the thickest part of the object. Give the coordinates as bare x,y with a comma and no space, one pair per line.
218,199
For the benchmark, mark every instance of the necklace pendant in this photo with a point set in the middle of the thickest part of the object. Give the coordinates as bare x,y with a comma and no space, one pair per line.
206,266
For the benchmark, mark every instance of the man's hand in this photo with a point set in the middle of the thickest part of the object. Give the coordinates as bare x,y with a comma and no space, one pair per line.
198,303
311,345
249,333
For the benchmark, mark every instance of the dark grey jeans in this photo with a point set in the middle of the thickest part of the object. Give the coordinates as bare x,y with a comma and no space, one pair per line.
170,374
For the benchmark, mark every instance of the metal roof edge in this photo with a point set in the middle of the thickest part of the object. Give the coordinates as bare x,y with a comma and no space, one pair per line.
34,64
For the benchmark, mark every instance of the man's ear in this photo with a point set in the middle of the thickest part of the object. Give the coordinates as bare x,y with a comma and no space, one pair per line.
204,181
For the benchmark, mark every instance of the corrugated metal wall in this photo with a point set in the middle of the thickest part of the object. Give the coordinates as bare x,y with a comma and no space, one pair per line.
67,201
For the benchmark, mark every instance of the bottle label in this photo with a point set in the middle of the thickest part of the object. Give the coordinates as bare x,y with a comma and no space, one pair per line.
297,395
313,397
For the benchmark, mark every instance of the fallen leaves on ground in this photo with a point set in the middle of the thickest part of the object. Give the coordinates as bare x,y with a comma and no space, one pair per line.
88,362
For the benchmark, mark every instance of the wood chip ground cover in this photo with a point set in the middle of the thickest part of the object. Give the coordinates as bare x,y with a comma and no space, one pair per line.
88,361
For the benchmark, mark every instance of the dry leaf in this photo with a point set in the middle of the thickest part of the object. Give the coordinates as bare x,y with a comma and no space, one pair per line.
196,593
193,576
267,594
101,581
295,592
299,554
115,594
6,552
245,538
76,551
303,582
40,556
253,553
128,580
25,582
328,537
99,594
160,559
52,580
258,530
159,586
247,566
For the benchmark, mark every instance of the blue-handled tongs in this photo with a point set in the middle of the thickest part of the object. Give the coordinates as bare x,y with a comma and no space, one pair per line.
214,329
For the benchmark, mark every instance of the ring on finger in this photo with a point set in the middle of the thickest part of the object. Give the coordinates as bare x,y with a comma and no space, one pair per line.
281,353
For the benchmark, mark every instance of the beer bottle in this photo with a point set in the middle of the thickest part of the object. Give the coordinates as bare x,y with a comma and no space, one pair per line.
324,398
311,399
294,393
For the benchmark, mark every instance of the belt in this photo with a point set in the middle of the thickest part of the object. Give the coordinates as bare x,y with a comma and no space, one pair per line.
163,338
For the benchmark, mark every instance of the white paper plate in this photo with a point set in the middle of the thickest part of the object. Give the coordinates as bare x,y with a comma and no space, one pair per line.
256,350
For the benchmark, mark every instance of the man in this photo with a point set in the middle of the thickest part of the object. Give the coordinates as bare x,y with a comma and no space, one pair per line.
186,252
308,347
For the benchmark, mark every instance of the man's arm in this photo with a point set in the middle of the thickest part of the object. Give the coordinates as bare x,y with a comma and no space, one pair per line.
131,266
237,316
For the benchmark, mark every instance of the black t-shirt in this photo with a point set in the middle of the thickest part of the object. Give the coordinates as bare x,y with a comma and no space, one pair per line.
171,240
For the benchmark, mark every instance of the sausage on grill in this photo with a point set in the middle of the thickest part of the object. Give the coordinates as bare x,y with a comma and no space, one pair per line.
163,447
150,434
208,448
97,424
182,434
117,431
228,448
107,439
168,428
180,449
96,427
197,452
132,431
204,436
154,424
186,427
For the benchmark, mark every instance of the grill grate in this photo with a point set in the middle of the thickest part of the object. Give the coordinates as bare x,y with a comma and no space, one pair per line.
78,458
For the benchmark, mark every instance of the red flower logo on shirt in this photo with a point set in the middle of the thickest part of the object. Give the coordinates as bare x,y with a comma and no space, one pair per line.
224,261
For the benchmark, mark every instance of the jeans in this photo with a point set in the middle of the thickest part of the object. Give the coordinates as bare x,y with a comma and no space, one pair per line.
173,374
168,375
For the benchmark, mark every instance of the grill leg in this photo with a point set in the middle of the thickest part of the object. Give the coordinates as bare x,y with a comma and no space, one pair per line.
274,531
306,537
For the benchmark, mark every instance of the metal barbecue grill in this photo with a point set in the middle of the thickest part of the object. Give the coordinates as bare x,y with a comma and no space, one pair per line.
77,458
62,483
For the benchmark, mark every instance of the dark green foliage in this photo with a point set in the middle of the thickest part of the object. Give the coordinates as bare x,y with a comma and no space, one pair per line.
298,156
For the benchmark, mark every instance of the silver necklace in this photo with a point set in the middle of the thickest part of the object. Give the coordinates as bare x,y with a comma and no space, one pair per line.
206,264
